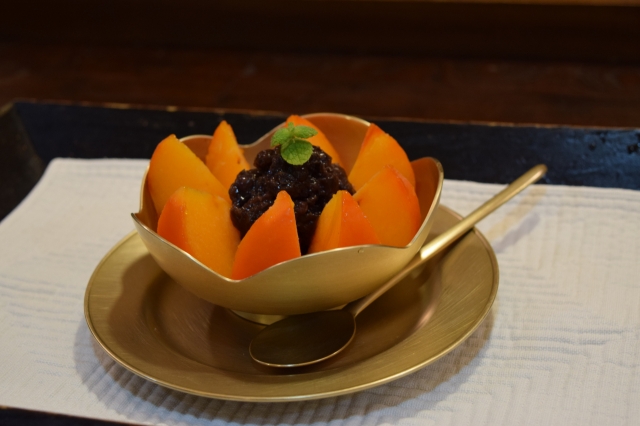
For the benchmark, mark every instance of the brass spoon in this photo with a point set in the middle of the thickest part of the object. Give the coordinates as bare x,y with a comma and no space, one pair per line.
306,339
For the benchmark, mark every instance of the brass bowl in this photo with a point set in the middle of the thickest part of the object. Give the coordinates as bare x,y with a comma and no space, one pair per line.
309,283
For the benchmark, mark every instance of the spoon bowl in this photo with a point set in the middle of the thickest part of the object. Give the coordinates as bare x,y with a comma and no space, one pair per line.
312,282
305,339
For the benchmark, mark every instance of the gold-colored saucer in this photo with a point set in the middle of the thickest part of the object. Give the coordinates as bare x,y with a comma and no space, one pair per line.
155,328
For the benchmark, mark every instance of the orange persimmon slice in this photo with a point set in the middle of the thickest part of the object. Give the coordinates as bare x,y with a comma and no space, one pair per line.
342,223
390,203
225,158
200,224
319,140
272,239
379,149
174,165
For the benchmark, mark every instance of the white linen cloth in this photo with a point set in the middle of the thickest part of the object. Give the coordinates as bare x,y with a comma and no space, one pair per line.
560,347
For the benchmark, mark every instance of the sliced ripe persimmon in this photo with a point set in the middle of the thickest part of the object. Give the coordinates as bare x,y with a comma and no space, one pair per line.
391,205
342,224
200,224
174,165
272,239
319,140
379,149
225,158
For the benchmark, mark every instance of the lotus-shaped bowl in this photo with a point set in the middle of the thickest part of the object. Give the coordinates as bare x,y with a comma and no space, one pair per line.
309,283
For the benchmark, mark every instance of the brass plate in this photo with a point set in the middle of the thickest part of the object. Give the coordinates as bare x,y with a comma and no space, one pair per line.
155,328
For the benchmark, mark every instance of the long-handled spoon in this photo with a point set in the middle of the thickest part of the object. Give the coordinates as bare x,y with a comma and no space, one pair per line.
306,339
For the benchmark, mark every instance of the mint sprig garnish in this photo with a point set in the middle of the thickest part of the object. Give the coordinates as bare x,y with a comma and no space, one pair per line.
294,146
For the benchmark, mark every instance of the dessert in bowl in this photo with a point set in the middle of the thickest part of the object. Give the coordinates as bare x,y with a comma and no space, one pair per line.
311,282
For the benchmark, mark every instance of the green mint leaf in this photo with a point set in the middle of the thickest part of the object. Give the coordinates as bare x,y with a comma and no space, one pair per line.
281,136
304,132
285,144
294,147
297,152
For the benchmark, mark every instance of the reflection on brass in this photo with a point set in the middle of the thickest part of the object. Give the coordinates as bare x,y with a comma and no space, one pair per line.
309,283
160,331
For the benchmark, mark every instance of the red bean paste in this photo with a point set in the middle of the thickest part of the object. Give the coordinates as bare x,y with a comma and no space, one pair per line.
310,186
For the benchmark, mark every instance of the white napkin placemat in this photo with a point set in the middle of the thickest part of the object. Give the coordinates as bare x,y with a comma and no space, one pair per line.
560,347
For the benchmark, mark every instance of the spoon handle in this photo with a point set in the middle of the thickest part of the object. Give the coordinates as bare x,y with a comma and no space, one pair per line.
451,235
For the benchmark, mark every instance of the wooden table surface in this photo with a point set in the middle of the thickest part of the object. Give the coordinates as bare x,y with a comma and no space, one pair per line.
414,86
573,62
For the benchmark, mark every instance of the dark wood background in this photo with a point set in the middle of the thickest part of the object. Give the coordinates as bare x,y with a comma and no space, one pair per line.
552,62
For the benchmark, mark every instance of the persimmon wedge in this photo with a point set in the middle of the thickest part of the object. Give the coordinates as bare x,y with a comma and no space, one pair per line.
379,149
342,223
319,140
199,223
272,239
225,158
174,165
390,203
